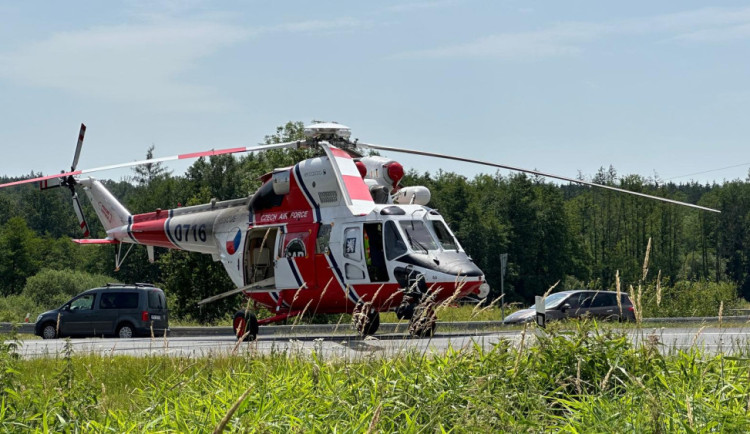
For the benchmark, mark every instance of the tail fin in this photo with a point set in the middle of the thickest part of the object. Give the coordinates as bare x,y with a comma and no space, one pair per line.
110,211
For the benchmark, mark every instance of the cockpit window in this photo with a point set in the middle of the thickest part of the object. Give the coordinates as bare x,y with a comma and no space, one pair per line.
446,240
418,236
394,245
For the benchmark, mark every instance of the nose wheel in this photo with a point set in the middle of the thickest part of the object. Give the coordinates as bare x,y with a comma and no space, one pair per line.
365,319
420,311
424,320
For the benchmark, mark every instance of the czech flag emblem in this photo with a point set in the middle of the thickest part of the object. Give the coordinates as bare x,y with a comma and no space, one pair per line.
233,243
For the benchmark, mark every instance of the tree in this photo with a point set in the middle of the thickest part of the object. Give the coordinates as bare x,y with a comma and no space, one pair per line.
19,247
146,173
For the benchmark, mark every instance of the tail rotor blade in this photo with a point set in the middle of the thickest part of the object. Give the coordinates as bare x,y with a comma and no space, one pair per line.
81,133
79,213
533,172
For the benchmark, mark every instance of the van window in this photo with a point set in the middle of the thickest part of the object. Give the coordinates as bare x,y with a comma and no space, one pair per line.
604,300
85,302
156,300
119,300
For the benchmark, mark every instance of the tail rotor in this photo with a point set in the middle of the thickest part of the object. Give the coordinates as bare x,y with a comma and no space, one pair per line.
67,180
71,183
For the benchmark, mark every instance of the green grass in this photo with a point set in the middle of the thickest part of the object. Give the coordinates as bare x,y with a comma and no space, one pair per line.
585,379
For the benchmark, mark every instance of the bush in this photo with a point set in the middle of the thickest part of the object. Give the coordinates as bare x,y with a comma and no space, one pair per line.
51,288
690,299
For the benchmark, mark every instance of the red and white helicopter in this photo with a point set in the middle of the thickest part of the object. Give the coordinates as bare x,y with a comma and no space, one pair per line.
332,234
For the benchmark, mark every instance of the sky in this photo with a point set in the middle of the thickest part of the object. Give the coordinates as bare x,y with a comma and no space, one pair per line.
658,89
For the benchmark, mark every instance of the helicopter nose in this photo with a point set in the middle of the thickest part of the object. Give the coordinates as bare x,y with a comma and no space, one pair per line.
457,264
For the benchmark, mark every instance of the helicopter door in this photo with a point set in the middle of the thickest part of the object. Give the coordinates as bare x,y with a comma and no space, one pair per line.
354,261
259,250
372,245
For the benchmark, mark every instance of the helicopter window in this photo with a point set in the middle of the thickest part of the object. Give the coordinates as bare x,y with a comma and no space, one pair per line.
324,237
446,240
351,244
418,236
394,244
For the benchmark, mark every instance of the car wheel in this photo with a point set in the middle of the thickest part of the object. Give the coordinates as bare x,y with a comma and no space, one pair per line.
49,331
125,331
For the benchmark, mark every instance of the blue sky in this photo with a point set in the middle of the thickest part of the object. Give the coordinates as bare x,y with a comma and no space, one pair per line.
648,87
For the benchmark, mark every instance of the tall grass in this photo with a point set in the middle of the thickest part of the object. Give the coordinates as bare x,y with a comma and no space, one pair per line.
584,379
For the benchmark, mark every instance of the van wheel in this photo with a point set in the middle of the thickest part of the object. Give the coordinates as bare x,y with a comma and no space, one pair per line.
245,324
49,331
125,331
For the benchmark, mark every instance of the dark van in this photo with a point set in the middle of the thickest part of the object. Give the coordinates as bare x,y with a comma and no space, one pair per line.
118,310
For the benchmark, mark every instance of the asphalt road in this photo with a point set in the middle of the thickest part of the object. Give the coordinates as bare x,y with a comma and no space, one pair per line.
715,340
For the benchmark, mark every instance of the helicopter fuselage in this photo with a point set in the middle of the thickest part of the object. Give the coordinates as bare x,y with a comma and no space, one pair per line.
304,241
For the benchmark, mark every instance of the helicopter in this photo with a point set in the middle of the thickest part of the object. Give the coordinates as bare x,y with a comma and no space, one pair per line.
332,234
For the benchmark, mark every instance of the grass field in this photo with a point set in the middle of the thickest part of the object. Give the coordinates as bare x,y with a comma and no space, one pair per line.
585,379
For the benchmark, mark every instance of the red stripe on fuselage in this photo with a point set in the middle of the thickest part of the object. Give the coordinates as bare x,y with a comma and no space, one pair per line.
148,229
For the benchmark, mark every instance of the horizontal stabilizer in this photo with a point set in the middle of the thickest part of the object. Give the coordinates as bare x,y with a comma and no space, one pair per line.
96,241
49,183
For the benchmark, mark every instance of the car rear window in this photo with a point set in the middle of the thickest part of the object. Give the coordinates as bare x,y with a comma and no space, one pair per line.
603,300
119,300
156,300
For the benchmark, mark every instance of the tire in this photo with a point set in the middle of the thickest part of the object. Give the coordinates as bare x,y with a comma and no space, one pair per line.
49,331
243,324
373,324
125,331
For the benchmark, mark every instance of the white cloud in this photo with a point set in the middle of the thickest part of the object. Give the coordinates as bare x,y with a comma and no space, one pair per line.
567,39
144,63
138,63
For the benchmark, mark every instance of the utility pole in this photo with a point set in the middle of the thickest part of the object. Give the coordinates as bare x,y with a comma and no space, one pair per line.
503,263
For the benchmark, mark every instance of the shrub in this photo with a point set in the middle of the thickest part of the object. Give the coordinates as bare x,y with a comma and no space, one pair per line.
51,288
690,299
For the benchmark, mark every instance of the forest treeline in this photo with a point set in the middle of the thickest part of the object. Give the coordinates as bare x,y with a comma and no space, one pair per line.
576,235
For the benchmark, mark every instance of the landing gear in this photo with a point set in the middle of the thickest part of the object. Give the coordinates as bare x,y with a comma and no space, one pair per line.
366,320
245,325
424,320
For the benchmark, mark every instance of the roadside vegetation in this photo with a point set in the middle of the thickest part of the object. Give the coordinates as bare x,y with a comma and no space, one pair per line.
586,379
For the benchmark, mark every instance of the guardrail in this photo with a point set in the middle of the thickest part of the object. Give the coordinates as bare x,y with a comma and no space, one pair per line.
271,330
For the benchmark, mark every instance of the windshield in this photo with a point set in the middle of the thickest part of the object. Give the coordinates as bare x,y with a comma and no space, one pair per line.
394,245
552,301
418,236
446,240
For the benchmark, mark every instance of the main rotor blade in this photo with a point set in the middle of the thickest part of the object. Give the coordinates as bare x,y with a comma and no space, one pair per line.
533,172
160,160
81,133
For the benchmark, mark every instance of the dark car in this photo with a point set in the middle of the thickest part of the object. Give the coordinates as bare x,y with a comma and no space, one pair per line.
579,303
114,310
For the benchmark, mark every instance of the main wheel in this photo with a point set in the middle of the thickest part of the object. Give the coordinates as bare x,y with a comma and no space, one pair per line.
243,324
49,331
125,331
366,319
